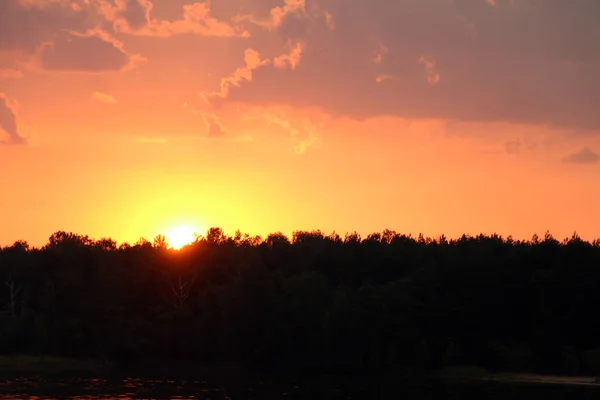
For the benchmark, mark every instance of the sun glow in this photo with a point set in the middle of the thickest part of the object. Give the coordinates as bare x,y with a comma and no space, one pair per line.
180,236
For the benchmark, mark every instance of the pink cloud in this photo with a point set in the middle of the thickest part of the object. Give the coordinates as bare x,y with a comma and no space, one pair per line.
152,140
509,71
291,60
584,155
432,76
252,61
382,78
9,73
25,24
94,51
134,17
125,14
104,98
75,5
8,122
214,127
380,54
276,15
303,132
329,20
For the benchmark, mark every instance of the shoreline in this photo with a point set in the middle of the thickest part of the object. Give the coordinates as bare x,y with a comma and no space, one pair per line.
471,373
539,379
51,365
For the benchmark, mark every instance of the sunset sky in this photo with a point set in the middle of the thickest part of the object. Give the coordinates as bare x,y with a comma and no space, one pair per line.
127,118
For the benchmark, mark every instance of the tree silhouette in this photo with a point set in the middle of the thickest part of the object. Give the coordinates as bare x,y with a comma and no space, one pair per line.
312,302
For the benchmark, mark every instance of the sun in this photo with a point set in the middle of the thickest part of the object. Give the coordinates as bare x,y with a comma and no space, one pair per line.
180,236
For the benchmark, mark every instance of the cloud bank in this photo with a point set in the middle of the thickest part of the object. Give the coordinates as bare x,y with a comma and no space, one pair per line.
516,61
529,61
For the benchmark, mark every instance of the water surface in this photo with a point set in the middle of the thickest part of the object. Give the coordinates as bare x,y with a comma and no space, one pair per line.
134,388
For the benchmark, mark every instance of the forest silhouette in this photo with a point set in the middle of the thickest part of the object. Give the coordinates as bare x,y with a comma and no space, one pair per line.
312,302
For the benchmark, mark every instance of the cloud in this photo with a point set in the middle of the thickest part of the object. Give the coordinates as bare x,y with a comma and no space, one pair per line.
380,53
290,60
135,13
94,51
42,4
310,137
104,98
432,76
276,16
276,120
382,78
9,73
25,24
329,20
62,35
252,61
152,140
213,125
583,156
303,132
528,62
134,17
8,122
513,146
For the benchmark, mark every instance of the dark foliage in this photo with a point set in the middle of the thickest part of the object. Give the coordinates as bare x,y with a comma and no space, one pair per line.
314,302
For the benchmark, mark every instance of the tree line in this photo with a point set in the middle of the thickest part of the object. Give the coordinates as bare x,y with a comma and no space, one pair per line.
310,302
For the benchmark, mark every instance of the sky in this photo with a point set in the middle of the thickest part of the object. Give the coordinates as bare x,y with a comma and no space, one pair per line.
128,118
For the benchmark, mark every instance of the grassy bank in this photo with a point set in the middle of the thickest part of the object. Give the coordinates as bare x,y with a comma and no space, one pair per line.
22,365
49,365
480,374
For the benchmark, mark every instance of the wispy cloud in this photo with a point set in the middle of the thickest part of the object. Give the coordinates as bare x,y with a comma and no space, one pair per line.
252,61
9,73
93,51
134,17
276,15
304,133
380,53
291,59
104,98
583,156
383,78
513,146
433,77
8,122
151,140
214,127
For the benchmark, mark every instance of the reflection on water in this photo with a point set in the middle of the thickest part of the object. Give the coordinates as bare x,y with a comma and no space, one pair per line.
129,388
133,388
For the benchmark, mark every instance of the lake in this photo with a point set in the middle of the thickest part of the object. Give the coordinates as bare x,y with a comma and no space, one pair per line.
315,388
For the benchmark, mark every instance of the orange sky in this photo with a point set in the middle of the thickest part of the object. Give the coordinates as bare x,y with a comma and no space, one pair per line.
126,118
